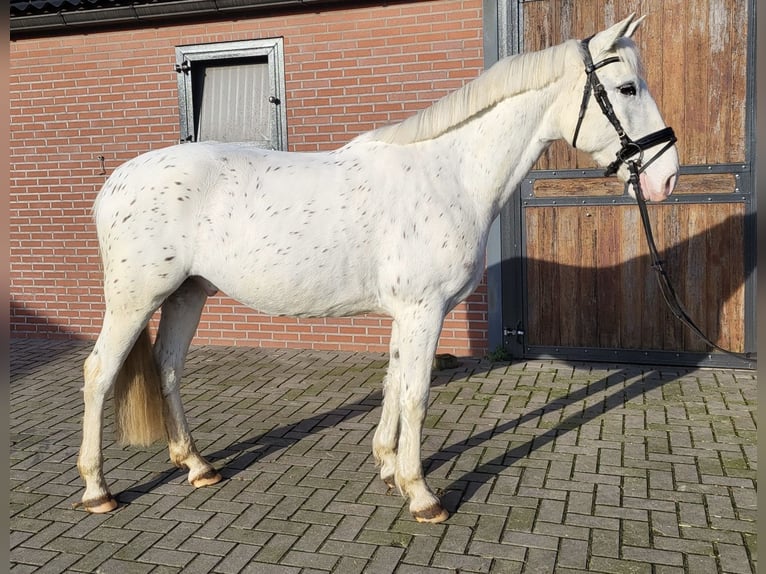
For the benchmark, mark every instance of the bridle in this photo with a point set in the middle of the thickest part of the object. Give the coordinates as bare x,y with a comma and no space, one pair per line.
627,155
629,147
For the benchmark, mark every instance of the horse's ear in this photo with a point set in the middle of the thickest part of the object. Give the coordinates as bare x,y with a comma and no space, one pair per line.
634,26
604,41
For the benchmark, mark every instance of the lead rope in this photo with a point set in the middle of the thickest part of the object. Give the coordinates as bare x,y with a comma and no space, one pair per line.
666,287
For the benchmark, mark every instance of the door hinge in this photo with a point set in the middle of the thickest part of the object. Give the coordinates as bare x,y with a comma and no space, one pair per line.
517,332
183,67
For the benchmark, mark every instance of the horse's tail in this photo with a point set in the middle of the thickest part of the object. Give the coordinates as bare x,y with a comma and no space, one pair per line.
138,400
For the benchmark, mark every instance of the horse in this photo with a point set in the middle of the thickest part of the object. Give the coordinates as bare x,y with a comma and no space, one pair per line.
394,222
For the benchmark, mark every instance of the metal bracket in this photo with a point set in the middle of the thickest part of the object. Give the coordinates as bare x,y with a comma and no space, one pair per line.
184,67
517,332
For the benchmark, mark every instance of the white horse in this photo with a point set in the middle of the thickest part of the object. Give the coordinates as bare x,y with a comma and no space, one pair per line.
394,222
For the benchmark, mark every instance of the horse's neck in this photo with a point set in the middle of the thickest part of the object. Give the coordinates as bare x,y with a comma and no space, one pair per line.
498,147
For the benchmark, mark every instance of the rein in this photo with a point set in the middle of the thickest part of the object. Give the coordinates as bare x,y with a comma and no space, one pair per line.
629,149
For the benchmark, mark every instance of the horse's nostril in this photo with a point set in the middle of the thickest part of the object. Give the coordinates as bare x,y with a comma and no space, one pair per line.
670,185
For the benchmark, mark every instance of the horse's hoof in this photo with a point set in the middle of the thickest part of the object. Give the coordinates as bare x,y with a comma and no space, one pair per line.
206,479
100,505
390,482
433,514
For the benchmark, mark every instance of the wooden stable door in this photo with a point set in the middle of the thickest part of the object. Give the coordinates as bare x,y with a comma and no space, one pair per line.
588,289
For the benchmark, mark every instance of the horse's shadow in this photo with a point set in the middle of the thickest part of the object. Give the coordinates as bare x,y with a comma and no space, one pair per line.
238,457
464,488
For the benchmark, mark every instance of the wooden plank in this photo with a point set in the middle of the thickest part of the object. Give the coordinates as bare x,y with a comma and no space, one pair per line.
738,61
692,142
672,103
539,32
631,294
653,307
536,18
560,154
719,87
669,234
580,186
649,41
714,280
724,289
707,184
566,250
691,289
534,277
586,245
542,277
587,19
608,275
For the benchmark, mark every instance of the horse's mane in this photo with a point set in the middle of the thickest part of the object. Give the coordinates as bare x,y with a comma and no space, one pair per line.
508,77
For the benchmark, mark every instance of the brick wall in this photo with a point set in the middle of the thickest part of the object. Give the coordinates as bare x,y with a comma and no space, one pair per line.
114,94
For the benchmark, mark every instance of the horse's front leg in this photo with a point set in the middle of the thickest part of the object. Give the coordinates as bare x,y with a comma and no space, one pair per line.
180,316
384,443
418,336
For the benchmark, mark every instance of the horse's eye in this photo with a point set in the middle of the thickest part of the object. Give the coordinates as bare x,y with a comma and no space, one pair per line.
628,89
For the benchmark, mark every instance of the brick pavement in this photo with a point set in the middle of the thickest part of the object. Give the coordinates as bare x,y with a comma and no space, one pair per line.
546,466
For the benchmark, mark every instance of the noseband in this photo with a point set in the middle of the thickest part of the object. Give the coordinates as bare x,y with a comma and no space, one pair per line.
626,155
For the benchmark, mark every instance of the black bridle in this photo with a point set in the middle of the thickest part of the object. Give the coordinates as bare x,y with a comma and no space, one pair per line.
630,147
627,155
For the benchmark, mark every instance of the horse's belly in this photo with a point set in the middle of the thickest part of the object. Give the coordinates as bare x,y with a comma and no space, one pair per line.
299,286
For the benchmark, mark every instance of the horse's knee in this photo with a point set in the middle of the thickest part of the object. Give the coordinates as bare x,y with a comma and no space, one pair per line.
91,369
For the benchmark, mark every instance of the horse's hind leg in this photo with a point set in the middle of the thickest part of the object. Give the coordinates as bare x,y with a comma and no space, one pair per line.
178,322
117,337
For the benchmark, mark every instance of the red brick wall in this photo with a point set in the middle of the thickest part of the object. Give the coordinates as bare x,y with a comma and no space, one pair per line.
114,94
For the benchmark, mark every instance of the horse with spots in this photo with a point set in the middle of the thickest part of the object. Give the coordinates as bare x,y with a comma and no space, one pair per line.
395,222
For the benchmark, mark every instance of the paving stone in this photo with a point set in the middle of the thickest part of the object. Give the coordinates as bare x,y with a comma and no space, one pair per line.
236,560
31,556
546,466
324,562
93,559
125,567
138,546
733,558
495,550
201,564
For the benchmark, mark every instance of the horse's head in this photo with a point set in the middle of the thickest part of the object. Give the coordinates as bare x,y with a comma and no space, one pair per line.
616,120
